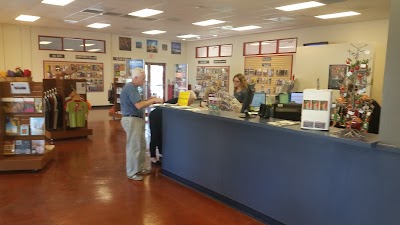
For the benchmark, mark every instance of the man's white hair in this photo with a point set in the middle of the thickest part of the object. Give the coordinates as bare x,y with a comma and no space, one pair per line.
137,72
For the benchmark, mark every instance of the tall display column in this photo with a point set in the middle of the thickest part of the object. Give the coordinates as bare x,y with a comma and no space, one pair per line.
390,121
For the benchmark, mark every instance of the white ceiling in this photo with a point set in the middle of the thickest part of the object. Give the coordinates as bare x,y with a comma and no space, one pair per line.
179,15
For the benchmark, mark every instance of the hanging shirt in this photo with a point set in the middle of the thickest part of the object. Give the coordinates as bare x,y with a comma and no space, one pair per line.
77,111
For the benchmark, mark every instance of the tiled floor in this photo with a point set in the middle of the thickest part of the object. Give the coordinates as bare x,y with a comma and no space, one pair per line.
86,184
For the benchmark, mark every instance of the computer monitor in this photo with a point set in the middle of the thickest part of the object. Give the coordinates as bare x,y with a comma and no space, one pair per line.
296,97
258,99
248,98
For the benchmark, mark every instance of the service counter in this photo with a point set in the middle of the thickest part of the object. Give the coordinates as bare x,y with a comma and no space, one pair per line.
282,175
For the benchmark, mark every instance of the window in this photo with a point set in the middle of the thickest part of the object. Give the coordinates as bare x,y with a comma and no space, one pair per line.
71,44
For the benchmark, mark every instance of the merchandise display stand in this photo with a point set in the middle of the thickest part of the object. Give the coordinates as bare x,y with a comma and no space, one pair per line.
64,88
117,87
23,149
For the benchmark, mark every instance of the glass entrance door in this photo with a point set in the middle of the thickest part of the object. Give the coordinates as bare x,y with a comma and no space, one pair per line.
155,73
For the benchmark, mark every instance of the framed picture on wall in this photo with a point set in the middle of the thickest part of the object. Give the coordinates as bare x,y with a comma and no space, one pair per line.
152,46
138,44
175,48
337,74
125,44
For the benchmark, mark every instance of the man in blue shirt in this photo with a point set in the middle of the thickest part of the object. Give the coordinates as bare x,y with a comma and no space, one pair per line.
133,123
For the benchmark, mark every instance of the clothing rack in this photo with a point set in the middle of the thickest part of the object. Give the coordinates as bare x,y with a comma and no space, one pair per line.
64,87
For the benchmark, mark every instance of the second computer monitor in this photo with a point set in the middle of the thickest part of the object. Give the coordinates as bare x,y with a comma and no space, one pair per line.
296,97
258,99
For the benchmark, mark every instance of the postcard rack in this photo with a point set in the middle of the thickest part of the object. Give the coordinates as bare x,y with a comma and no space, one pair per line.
116,89
22,142
64,87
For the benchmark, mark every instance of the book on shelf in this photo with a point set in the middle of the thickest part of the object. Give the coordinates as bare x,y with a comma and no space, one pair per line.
12,125
38,105
9,147
37,125
18,105
38,147
29,105
24,129
7,104
22,147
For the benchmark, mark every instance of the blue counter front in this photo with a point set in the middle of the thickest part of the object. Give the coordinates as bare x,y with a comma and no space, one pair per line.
282,175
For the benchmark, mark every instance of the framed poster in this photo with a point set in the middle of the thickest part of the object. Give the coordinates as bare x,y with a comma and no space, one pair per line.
138,44
176,48
213,51
337,74
164,47
125,44
201,52
152,46
92,72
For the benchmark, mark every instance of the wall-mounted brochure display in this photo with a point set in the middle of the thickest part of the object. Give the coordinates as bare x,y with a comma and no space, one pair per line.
214,51
92,72
270,47
269,73
212,75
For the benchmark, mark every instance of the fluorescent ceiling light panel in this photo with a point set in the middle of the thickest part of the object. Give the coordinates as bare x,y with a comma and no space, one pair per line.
215,35
154,32
57,2
337,15
98,25
70,21
251,27
188,36
304,5
27,18
145,13
45,42
208,22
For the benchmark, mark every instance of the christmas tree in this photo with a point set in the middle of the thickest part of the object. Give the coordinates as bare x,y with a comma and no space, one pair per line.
354,107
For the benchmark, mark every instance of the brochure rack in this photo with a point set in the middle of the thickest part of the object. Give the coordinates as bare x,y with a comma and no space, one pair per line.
268,72
64,88
22,143
116,88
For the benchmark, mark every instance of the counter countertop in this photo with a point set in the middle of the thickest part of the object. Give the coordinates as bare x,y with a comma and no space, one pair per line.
369,141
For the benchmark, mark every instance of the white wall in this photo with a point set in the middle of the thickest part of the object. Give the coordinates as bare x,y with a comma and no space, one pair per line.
374,32
19,47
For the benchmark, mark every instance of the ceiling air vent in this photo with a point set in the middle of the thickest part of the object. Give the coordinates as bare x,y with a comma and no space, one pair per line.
94,11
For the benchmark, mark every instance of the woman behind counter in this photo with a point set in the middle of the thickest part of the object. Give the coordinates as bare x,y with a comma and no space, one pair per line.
240,86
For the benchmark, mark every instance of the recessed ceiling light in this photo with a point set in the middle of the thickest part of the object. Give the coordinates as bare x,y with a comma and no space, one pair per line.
98,25
198,37
304,5
184,39
154,32
215,35
188,36
70,21
45,42
94,50
208,22
27,18
87,45
337,15
57,2
145,13
251,27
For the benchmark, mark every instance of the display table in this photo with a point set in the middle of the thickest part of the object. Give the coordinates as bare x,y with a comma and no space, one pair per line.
282,175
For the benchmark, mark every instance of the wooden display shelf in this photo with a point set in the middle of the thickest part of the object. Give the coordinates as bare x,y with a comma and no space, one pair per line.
26,162
115,115
65,134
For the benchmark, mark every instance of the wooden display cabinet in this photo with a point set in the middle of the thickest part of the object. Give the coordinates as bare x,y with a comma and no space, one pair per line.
33,155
